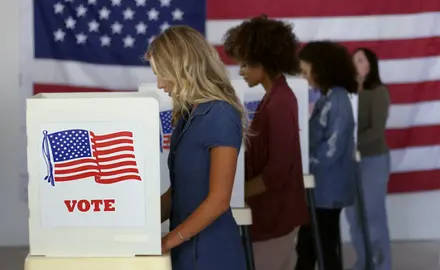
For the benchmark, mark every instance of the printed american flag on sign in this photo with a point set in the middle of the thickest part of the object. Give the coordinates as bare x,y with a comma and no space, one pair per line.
97,45
167,129
252,107
77,154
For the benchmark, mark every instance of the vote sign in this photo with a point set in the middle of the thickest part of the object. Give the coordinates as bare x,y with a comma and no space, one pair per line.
94,174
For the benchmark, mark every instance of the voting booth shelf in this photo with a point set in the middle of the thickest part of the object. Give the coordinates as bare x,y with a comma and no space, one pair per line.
162,262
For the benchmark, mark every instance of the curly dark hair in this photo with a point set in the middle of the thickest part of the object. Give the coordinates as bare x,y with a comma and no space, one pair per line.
332,65
266,42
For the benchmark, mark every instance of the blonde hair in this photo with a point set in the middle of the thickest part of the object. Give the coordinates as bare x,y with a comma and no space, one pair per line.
182,56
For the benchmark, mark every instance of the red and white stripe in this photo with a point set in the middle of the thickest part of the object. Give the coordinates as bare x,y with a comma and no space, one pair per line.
166,141
405,37
115,157
75,170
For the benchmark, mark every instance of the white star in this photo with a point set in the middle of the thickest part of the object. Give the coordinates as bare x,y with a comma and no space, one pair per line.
150,40
70,23
140,3
165,3
128,41
69,1
177,15
81,38
93,26
141,28
116,28
92,2
59,35
104,13
81,11
58,7
153,14
164,26
128,14
105,41
116,2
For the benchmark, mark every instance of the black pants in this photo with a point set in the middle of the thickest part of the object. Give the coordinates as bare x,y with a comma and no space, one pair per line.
328,225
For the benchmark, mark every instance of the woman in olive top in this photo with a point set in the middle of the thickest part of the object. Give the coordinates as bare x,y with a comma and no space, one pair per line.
374,102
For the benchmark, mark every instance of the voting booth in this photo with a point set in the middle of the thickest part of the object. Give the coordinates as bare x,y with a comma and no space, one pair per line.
94,181
97,168
250,98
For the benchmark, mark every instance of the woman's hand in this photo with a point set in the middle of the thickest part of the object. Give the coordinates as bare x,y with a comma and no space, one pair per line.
165,244
170,241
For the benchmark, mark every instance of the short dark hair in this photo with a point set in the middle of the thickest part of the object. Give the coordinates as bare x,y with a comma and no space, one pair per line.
332,65
266,42
372,80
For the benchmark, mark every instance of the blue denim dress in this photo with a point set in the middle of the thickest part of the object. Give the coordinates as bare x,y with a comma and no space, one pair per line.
217,247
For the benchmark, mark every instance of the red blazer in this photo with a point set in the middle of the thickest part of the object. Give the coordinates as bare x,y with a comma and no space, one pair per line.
274,152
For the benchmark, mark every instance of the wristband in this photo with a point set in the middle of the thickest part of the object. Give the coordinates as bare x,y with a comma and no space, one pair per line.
181,237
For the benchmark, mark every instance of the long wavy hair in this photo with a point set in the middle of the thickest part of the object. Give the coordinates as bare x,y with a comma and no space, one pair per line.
182,56
372,80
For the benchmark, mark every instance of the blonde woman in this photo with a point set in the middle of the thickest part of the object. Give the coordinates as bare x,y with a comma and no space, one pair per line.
209,122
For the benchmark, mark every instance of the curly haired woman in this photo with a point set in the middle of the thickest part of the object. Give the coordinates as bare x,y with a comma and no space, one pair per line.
327,66
266,51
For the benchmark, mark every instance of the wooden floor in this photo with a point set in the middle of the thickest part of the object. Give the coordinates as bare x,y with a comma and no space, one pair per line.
406,256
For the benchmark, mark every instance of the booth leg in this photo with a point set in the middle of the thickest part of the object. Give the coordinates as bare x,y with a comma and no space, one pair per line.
247,244
314,223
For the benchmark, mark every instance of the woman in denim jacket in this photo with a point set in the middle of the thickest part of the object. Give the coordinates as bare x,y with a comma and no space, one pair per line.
328,67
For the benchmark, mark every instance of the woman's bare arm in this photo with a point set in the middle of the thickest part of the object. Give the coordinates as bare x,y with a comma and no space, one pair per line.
165,205
221,181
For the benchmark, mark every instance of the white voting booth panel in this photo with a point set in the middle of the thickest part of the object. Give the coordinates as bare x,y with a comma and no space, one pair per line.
94,175
237,198
354,105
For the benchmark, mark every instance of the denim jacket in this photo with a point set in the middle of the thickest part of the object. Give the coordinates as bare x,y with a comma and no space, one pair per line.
332,150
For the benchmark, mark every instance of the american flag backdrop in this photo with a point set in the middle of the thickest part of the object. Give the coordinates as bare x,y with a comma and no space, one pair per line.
78,154
97,45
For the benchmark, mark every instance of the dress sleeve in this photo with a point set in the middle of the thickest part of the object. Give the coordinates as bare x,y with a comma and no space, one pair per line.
223,127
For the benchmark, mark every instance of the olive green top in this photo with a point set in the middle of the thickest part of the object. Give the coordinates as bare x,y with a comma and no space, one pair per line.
373,114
